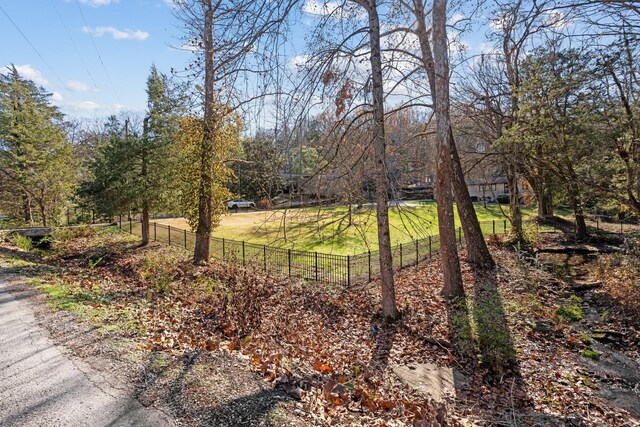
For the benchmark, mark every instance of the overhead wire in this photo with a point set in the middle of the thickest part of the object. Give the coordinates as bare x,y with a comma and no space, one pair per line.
75,46
95,46
24,36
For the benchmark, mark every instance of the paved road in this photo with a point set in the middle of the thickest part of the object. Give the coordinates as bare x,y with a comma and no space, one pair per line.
39,386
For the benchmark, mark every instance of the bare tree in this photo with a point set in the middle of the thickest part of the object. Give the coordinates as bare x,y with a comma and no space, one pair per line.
232,40
450,263
477,250
389,309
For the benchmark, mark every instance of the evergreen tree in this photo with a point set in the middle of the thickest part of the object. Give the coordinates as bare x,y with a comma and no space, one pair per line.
36,161
135,168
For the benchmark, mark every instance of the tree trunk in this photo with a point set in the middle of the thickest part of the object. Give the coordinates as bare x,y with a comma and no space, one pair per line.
43,213
145,195
449,255
514,197
389,309
477,250
547,200
205,201
574,197
26,206
145,224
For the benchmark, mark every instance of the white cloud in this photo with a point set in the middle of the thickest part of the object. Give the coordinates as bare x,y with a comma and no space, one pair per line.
76,86
116,33
457,17
29,73
313,7
96,3
297,62
88,108
497,23
55,96
335,9
190,47
488,49
557,19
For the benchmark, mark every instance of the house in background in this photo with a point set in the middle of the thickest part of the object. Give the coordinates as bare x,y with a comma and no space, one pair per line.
418,190
497,189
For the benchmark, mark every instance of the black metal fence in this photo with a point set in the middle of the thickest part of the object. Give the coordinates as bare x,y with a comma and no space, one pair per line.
328,268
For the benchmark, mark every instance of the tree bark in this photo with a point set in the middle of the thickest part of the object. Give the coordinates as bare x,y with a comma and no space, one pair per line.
43,213
26,206
205,202
514,197
389,309
144,173
582,233
477,251
511,56
449,255
581,226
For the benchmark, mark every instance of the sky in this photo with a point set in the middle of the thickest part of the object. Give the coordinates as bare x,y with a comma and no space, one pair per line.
93,55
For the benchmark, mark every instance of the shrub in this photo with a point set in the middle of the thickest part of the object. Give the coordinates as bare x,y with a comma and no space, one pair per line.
70,233
590,354
22,242
571,313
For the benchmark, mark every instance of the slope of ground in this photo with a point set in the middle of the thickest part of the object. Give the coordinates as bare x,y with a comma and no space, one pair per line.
536,342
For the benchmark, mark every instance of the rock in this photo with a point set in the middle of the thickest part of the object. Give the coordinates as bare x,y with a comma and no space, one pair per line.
293,390
607,336
585,286
429,379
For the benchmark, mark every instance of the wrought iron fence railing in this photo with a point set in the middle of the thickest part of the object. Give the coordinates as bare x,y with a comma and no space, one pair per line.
342,270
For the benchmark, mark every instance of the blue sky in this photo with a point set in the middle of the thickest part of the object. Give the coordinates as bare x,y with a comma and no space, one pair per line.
130,36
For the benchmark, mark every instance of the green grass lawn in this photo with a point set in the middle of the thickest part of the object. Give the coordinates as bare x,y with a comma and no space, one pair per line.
333,230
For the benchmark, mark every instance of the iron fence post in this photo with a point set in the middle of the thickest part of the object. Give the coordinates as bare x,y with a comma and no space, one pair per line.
316,266
185,239
430,251
505,226
243,257
369,264
155,232
348,270
289,259
120,222
400,255
494,226
130,225
417,257
223,248
169,234
264,256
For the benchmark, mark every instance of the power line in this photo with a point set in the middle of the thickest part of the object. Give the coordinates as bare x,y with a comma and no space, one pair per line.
95,46
32,46
84,64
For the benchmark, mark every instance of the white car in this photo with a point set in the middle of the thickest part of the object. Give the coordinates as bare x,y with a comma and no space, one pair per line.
240,203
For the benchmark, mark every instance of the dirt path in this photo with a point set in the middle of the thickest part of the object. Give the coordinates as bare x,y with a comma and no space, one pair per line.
39,385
